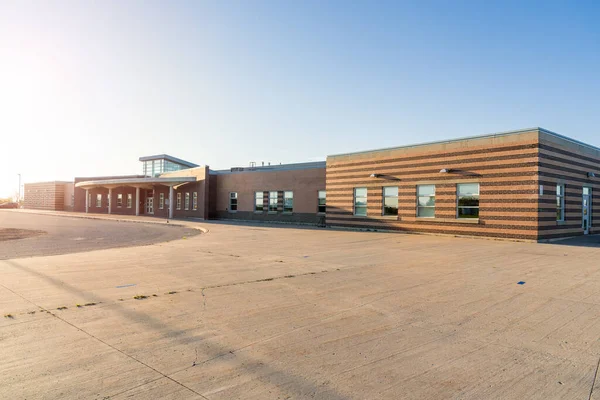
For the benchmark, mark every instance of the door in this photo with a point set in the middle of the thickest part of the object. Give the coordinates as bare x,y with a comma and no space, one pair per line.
149,205
586,210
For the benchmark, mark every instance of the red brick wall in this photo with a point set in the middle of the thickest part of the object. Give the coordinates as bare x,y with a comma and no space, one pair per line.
198,187
305,183
123,210
158,212
201,186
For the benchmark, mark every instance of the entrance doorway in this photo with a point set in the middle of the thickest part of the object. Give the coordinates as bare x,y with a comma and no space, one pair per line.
586,211
149,205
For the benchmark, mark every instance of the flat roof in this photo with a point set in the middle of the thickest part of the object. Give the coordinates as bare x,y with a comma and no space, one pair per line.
45,182
488,135
271,168
136,181
169,158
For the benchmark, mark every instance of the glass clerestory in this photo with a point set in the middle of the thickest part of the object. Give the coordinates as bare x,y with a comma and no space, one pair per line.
156,167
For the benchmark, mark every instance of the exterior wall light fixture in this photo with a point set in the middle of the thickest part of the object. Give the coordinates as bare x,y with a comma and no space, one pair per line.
445,170
591,175
374,175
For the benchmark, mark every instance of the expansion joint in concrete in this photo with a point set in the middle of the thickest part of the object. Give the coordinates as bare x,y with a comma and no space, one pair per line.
106,344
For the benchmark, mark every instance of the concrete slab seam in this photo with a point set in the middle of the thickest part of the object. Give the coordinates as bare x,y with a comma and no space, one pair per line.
105,343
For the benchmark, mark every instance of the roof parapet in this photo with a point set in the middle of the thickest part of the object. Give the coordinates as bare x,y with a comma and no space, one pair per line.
271,168
489,135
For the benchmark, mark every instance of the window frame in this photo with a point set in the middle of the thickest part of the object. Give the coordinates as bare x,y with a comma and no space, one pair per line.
186,202
560,197
319,205
161,201
230,208
269,205
119,200
384,196
458,197
129,200
98,200
194,201
178,204
262,202
284,198
430,196
366,197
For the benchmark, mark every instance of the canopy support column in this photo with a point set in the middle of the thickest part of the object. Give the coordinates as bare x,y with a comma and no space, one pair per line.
137,201
109,200
171,206
87,200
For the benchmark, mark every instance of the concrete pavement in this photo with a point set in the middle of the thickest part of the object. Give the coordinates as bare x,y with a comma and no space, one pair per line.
260,312
60,235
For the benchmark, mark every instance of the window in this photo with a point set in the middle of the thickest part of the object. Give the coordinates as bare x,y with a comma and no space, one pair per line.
360,201
426,201
195,201
161,201
233,201
587,202
322,201
187,201
560,202
179,201
258,201
468,200
98,200
272,201
390,200
288,202
119,200
129,200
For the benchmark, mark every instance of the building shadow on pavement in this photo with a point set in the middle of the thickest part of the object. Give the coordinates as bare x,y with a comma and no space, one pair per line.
580,241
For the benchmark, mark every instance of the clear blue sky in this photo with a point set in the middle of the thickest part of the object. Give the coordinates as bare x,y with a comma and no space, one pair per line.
88,87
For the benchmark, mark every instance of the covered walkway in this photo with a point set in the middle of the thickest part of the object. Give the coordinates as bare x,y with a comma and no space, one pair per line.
137,183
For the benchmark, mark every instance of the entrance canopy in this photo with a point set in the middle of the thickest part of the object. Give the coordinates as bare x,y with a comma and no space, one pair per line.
142,183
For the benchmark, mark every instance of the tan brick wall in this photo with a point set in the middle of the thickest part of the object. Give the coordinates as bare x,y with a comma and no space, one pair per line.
45,195
564,161
505,167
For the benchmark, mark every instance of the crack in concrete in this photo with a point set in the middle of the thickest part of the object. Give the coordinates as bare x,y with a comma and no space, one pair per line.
266,279
594,380
138,297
